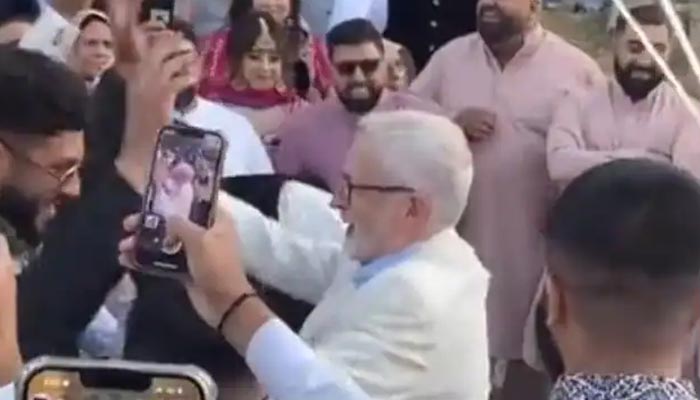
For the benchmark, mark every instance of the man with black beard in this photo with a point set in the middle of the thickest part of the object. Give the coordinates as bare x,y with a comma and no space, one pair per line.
636,115
42,115
42,111
502,85
315,141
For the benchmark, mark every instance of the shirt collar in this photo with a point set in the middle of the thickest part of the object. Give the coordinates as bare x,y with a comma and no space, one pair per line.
621,387
368,271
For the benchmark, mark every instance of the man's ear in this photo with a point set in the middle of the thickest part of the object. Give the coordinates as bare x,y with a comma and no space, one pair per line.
5,163
695,312
555,302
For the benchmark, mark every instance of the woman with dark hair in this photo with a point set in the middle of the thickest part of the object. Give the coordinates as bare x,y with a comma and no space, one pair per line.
255,84
307,69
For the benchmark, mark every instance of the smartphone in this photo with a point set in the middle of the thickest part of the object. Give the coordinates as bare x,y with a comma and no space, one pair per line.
183,182
162,11
53,378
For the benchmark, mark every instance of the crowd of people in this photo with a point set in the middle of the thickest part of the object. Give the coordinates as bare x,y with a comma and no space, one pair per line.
444,200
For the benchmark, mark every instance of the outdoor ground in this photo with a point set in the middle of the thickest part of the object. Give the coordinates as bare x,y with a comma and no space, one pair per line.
588,32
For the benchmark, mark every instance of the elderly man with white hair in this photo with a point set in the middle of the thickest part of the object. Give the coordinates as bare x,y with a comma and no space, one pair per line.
400,307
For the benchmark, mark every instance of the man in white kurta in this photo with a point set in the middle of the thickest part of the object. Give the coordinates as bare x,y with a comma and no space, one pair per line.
637,114
502,86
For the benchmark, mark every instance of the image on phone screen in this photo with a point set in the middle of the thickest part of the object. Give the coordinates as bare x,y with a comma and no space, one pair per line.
183,183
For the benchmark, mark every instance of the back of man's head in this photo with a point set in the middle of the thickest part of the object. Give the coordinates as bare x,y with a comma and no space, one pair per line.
425,152
624,255
39,96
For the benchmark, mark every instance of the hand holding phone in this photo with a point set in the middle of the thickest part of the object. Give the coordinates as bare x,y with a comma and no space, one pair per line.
183,184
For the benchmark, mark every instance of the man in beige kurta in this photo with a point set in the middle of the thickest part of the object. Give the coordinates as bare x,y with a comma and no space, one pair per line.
502,85
637,114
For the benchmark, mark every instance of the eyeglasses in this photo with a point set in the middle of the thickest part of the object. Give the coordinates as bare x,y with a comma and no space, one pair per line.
344,194
348,68
60,178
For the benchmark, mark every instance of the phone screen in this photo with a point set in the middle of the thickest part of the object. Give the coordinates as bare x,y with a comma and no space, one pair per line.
55,384
162,11
184,183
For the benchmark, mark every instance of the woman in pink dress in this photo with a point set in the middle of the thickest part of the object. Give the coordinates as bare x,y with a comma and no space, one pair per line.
255,86
307,67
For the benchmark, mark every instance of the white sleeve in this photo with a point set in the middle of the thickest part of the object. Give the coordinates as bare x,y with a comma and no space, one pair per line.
289,370
373,10
250,148
51,35
301,267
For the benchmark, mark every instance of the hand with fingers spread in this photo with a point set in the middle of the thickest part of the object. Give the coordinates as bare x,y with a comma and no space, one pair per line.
478,124
213,258
9,350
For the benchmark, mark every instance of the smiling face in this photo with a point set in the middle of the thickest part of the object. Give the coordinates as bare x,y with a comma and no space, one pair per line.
500,20
635,69
360,76
261,66
44,178
374,218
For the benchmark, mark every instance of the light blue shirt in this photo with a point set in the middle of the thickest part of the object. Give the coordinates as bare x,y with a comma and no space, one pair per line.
288,369
368,271
7,392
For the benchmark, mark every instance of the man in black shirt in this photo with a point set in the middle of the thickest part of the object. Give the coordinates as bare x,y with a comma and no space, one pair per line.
423,26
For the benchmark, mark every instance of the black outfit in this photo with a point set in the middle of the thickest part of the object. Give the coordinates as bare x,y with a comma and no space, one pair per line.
423,26
59,294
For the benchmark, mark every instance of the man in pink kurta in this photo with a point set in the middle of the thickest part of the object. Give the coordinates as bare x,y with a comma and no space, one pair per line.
637,114
502,86
315,141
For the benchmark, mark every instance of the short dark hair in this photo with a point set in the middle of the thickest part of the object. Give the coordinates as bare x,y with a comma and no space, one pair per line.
19,10
39,96
625,239
243,35
354,32
185,29
651,14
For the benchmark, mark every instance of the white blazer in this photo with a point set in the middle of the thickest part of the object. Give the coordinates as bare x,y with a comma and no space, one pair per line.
414,331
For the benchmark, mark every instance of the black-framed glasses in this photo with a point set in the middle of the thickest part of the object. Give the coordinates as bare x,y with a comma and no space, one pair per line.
60,178
348,68
345,192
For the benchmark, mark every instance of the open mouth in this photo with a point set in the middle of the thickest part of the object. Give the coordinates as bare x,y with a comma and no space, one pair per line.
490,16
640,74
359,92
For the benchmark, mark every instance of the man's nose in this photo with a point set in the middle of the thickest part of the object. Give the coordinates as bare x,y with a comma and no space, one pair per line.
358,75
71,189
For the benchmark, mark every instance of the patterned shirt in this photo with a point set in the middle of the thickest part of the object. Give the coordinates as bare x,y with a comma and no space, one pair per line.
622,387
